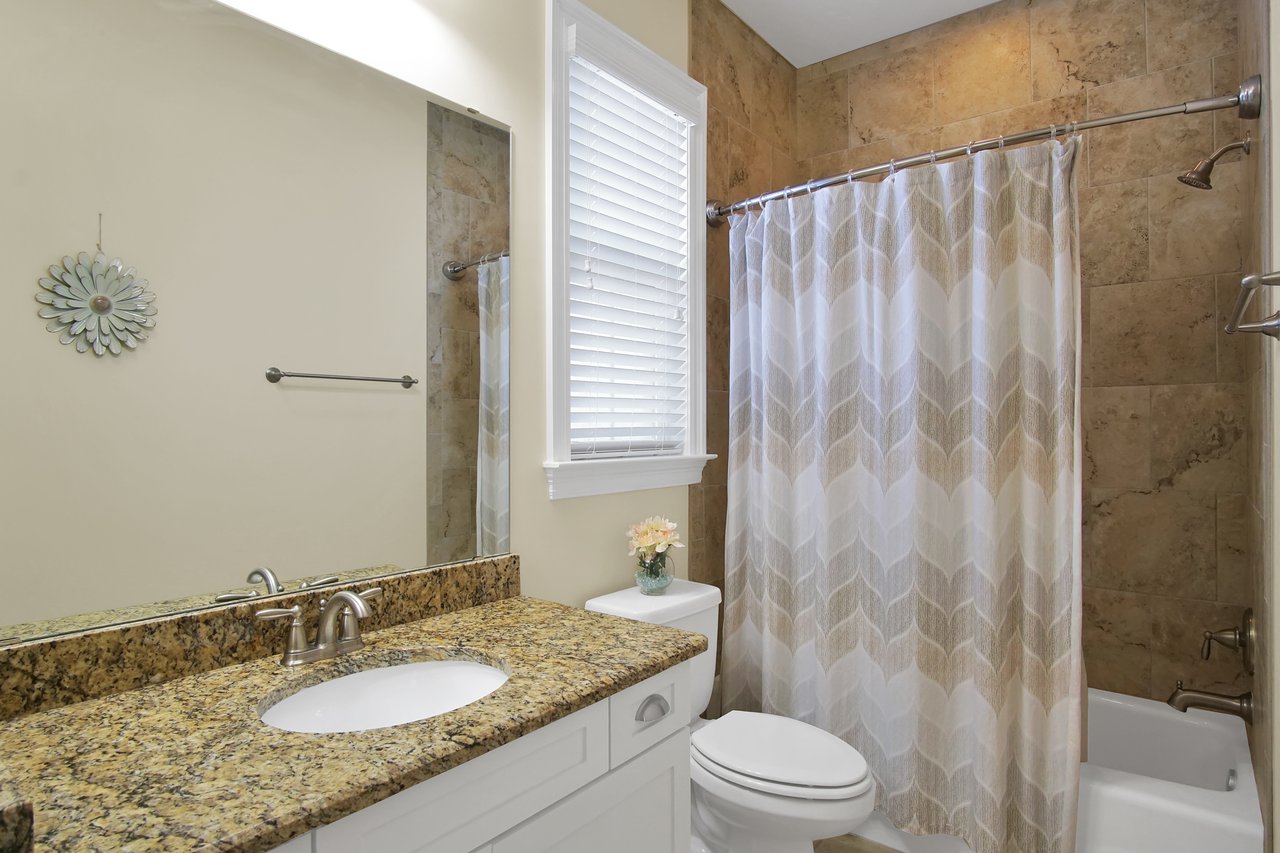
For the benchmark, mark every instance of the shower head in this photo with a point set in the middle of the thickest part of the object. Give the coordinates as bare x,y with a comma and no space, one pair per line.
1199,176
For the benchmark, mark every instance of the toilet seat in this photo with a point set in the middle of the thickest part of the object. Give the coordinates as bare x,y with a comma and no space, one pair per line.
780,756
780,789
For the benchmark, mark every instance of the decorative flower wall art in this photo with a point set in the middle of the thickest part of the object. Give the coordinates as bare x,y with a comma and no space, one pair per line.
96,305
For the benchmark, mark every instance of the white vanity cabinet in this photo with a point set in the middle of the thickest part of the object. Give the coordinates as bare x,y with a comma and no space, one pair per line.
613,776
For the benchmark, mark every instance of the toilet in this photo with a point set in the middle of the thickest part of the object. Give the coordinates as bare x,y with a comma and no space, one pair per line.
761,783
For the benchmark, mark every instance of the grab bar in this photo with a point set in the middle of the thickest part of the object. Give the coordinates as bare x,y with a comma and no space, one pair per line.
275,374
1248,284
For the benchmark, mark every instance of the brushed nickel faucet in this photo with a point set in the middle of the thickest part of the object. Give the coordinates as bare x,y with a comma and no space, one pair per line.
262,575
337,634
1241,706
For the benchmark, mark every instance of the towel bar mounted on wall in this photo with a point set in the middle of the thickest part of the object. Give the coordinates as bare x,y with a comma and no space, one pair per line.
1248,284
275,374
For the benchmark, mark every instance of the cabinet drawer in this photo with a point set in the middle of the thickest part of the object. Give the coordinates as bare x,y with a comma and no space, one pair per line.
646,713
466,807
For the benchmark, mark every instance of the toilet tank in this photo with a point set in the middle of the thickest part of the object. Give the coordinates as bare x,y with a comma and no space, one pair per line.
687,605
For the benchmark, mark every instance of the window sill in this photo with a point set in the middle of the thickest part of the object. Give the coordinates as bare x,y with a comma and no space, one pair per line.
586,477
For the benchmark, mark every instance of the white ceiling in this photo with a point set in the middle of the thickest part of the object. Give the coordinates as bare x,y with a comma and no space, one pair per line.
809,31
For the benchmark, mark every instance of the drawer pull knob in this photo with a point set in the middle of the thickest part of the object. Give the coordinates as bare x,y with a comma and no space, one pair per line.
652,709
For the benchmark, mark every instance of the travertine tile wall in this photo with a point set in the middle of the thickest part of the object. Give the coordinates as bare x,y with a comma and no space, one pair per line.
1253,28
467,217
1175,438
751,97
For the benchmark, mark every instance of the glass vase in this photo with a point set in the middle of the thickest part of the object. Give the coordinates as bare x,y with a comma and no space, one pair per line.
654,576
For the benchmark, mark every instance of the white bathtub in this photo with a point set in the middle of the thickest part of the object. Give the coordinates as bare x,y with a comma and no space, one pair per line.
1159,781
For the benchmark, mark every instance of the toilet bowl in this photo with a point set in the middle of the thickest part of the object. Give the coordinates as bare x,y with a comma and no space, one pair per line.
761,783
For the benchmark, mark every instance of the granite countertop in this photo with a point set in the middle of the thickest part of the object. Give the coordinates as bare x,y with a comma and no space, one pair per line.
188,765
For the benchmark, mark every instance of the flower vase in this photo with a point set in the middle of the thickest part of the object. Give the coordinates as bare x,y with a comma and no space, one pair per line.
654,575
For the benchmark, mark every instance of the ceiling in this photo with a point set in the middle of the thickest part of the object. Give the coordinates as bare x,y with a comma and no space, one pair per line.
809,31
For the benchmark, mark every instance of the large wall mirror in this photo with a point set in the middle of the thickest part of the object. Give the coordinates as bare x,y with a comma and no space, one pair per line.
288,208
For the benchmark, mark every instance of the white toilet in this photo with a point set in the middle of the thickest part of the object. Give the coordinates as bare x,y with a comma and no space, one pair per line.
761,783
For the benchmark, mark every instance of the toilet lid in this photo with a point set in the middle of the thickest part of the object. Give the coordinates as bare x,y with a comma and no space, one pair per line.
779,749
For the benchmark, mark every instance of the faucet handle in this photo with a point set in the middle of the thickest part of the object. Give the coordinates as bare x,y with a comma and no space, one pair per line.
297,641
371,593
1229,637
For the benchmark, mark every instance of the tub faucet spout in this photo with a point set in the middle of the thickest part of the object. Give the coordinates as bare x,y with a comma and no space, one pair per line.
1241,706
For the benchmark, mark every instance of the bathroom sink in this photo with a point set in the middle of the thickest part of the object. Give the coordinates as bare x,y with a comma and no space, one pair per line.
383,697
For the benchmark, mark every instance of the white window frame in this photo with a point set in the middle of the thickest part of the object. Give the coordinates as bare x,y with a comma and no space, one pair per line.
577,31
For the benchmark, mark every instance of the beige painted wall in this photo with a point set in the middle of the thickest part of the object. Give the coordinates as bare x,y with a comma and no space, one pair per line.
177,468
489,55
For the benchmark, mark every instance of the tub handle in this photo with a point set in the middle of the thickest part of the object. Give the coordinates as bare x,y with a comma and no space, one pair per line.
1229,637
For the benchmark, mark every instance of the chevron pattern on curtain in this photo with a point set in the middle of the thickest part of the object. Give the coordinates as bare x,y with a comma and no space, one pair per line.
903,542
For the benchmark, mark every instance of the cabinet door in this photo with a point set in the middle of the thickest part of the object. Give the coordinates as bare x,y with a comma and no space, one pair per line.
301,844
476,801
642,807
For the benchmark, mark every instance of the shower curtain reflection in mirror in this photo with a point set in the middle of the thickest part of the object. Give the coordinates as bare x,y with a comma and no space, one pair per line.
903,556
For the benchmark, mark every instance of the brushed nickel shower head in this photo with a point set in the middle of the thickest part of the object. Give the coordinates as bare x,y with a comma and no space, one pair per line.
1199,176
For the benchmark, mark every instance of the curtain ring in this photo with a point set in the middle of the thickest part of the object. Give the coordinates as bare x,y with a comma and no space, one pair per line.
1000,142
968,149
850,177
893,167
809,185
933,158
1053,132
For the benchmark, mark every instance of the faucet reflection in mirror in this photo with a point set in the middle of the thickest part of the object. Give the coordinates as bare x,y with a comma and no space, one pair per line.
315,479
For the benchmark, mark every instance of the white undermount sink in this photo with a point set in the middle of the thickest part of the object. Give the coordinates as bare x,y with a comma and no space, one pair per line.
387,696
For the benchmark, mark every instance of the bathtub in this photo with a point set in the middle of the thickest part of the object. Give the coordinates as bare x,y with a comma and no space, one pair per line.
1157,781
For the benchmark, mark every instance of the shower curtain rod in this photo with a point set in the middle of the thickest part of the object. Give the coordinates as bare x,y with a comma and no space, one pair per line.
453,270
1248,100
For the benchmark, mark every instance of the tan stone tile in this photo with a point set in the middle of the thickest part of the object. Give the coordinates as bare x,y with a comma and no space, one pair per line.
716,471
1231,348
1143,148
1058,111
719,129
460,435
890,97
983,69
1185,31
772,108
1177,631
489,232
822,115
750,164
1174,553
1235,550
717,58
715,509
1116,633
461,381
873,154
849,844
1227,125
475,161
1114,240
1195,232
717,344
718,262
1078,44
1117,437
1086,337
448,233
786,171
1153,333
1199,437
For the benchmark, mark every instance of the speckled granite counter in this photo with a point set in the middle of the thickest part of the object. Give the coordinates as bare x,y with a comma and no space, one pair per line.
15,818
187,765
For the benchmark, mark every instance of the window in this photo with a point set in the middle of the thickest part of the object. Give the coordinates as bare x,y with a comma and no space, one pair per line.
627,329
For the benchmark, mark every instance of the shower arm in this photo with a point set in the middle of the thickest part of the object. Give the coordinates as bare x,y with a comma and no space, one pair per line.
1247,101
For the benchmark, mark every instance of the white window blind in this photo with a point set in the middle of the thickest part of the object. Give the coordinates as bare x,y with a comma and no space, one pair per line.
629,228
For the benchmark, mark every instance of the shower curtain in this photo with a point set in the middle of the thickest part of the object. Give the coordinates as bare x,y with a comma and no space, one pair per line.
493,489
903,542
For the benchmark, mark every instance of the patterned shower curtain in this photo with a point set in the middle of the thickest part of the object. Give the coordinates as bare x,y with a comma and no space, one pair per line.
493,449
903,543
